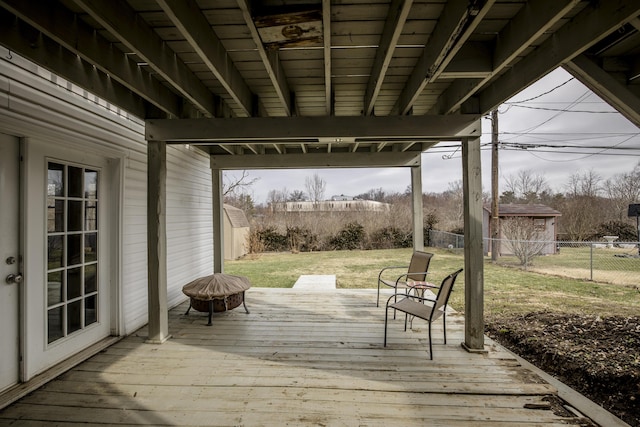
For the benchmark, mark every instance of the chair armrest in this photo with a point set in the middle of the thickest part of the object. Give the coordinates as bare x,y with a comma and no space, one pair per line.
406,275
415,297
390,268
422,299
421,285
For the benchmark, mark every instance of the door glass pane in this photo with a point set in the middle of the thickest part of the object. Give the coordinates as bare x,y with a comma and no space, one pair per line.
54,288
90,184
74,283
55,182
91,215
54,322
55,251
90,310
90,279
91,247
74,316
75,182
74,249
74,215
55,215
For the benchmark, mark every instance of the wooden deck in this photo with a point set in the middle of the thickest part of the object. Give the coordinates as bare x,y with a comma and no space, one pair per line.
299,358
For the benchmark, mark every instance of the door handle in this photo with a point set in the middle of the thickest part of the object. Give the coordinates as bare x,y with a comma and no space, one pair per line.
14,278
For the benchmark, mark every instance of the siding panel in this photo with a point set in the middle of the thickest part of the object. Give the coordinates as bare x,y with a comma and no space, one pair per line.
36,105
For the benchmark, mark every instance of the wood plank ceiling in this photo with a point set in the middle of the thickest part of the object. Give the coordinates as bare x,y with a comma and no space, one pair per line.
312,63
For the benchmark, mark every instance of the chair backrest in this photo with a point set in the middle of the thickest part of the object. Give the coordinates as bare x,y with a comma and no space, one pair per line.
443,294
419,264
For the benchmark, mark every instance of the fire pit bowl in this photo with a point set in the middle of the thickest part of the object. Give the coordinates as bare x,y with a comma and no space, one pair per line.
216,293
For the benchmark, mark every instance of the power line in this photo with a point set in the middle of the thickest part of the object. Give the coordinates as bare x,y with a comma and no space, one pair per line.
527,145
564,110
542,94
583,155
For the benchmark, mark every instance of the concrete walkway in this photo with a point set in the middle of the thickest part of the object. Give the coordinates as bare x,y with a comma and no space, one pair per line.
316,282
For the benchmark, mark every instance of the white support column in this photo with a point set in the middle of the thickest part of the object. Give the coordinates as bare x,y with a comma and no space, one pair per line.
416,205
217,204
157,242
473,255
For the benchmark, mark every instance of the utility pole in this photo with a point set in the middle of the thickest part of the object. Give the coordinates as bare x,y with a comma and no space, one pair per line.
495,214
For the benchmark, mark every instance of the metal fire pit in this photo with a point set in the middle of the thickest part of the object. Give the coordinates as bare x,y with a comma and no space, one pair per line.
216,293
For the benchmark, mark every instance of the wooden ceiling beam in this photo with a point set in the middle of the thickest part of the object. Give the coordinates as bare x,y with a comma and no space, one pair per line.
271,60
592,24
28,42
456,24
472,61
317,160
397,16
326,37
119,19
192,24
532,21
63,26
310,129
616,93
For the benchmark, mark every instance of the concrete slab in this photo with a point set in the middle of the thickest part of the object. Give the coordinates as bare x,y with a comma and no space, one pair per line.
316,282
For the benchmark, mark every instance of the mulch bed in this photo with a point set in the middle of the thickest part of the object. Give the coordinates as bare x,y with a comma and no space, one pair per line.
597,356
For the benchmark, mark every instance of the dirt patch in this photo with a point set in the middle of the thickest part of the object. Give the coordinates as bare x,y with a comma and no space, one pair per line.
597,356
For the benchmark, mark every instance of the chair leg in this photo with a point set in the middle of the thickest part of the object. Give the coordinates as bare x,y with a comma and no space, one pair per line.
444,326
378,300
188,309
386,315
406,318
395,300
430,345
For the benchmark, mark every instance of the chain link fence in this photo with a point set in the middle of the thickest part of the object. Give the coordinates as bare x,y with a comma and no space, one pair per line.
603,261
443,239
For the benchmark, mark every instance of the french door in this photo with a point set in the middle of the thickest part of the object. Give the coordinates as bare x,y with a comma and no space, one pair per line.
69,221
10,261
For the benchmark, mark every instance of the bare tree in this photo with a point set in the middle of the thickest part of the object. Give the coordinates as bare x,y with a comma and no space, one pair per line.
296,196
233,184
584,184
623,189
377,194
526,185
583,210
277,198
522,239
455,196
315,186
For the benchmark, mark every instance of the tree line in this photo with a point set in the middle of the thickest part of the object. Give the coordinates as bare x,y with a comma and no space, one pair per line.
591,207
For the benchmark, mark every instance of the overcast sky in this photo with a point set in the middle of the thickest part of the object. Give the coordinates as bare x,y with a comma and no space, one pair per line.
543,121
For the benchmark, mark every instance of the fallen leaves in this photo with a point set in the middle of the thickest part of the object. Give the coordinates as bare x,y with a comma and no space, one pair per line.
596,355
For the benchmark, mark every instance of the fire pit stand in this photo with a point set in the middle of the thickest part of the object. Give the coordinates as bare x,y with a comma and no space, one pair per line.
216,293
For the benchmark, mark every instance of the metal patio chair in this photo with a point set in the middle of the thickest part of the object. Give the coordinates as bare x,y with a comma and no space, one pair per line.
416,271
427,308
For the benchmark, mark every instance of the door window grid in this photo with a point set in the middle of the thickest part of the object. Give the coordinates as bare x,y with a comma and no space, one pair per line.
72,249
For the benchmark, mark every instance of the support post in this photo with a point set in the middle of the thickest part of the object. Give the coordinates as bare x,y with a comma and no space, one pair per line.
157,242
473,254
495,197
416,205
217,205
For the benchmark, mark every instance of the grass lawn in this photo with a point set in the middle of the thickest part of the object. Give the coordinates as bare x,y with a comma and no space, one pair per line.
507,289
610,265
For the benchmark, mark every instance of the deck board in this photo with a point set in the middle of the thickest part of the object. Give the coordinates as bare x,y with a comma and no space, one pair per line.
296,359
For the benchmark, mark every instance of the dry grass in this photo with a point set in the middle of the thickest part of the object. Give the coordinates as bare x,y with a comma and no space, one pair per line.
507,289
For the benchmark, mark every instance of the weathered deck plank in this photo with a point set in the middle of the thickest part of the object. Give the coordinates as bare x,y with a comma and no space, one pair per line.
297,359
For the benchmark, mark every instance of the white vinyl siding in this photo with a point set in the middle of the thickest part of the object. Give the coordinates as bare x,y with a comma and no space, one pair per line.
38,106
